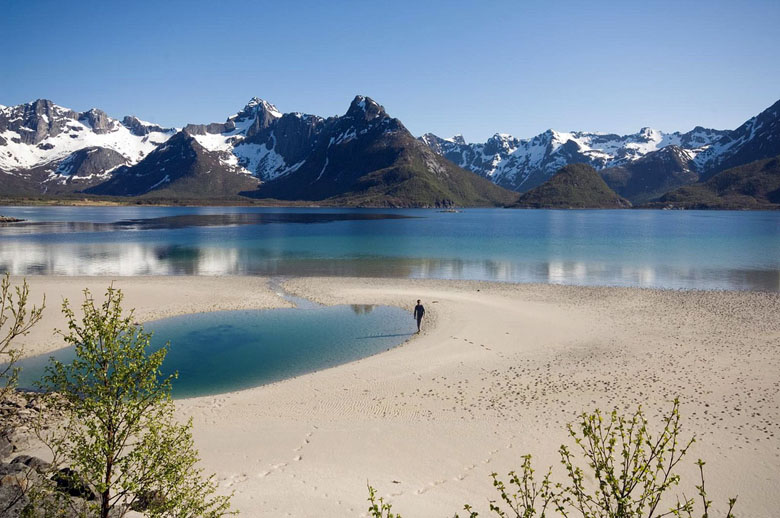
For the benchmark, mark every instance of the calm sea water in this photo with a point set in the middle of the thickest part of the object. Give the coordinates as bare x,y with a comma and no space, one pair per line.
665,249
224,351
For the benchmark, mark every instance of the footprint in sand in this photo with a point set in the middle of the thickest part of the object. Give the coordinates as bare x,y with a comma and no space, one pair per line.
306,441
235,479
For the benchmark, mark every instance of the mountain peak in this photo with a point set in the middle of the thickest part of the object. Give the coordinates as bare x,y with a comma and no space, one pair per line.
257,115
365,108
256,104
501,137
141,128
42,102
97,120
649,133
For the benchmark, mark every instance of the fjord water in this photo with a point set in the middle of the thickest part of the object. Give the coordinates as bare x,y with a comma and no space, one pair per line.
645,248
223,351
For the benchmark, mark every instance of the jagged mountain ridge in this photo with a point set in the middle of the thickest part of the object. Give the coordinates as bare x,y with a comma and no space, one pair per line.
58,149
757,138
45,148
261,139
364,157
180,167
652,175
521,164
368,158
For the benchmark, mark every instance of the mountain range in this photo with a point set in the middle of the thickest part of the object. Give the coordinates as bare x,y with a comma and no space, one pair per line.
641,166
364,157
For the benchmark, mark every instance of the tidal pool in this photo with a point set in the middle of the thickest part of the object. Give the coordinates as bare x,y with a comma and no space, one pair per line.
223,351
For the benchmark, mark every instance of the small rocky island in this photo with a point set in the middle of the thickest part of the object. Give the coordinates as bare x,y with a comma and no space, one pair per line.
8,219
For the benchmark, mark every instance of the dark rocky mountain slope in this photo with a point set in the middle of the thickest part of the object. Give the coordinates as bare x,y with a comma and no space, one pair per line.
181,168
368,158
575,186
751,186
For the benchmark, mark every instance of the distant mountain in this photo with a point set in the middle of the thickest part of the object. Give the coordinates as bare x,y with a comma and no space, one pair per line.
757,138
751,186
364,157
522,164
180,168
574,186
652,175
368,158
639,166
262,140
50,149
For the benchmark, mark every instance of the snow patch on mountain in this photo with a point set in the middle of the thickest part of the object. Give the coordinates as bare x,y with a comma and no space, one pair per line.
249,137
255,104
523,163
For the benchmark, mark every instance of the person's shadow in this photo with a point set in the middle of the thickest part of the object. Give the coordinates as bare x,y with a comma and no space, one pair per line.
384,336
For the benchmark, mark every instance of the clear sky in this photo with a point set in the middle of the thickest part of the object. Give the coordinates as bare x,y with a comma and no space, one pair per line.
474,68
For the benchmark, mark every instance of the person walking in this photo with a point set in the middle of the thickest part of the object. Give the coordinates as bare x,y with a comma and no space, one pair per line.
419,311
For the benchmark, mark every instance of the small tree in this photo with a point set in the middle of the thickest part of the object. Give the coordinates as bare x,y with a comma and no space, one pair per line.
119,435
15,320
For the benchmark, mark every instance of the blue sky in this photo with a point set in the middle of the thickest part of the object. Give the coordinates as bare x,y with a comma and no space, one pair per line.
474,68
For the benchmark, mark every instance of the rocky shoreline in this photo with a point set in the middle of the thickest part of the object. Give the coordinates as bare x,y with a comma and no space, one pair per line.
8,219
21,474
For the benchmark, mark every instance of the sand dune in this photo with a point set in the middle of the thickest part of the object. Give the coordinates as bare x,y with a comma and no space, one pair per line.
497,372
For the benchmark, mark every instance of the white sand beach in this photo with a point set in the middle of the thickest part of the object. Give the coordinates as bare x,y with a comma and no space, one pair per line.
497,372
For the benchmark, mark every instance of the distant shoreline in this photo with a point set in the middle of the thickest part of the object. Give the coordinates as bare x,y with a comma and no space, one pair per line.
217,202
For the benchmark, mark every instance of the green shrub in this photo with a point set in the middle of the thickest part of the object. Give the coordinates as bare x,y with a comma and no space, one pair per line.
617,469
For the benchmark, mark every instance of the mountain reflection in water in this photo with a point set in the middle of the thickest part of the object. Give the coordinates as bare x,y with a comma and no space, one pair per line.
658,249
189,220
139,259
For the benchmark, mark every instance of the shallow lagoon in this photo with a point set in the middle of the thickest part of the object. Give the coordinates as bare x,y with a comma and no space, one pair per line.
224,351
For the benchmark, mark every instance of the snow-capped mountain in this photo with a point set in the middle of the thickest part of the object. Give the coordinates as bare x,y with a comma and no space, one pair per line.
181,167
757,138
364,157
261,139
521,164
48,149
54,146
652,175
639,165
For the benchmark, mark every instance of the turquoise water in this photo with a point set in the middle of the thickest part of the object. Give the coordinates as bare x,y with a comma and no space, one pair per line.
663,249
232,350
